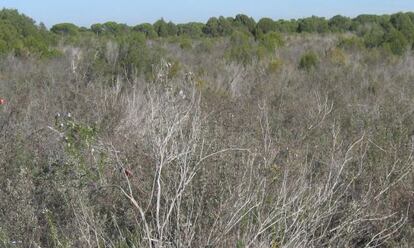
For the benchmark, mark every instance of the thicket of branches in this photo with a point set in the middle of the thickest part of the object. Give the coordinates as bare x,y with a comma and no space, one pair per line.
295,140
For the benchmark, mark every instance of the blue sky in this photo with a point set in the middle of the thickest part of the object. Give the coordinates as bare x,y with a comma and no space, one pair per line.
87,12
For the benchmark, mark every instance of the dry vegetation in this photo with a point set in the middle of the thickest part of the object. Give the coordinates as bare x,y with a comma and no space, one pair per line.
286,151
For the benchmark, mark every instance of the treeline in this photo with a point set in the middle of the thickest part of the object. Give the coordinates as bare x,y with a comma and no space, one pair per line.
20,34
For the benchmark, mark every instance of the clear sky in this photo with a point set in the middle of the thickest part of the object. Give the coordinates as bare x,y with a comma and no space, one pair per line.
87,12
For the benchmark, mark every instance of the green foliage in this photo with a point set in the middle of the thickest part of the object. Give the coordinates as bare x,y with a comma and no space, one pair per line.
351,43
284,26
65,29
147,29
218,27
205,45
77,136
308,61
97,28
212,27
4,239
23,24
9,38
164,29
191,29
78,139
171,29
225,25
363,20
340,23
396,42
56,239
271,41
115,28
374,36
20,35
134,54
313,25
367,18
110,29
160,28
186,43
244,22
241,48
265,25
403,23
240,244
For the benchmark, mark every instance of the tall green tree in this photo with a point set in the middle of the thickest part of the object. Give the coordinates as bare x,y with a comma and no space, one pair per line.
147,29
286,26
97,28
212,27
172,29
161,28
191,29
402,22
20,35
218,27
65,29
373,35
313,24
244,22
340,23
241,49
271,41
225,26
265,25
396,42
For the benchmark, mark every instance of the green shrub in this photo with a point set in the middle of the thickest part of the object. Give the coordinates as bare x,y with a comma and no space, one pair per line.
241,48
265,25
396,42
271,41
78,139
339,23
134,54
205,45
186,43
147,29
308,61
20,35
351,43
313,25
374,37
404,24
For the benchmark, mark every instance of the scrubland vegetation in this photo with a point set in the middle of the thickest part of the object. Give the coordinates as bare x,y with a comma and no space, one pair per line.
226,134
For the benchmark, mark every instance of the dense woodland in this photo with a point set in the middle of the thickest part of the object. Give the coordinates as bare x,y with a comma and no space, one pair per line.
230,133
21,36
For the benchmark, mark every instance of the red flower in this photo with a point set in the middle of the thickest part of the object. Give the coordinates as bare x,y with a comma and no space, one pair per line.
2,101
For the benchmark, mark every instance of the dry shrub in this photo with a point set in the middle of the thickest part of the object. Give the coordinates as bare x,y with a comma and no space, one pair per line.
230,155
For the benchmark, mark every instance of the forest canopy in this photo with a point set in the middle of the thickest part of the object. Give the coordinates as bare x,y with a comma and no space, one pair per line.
20,34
